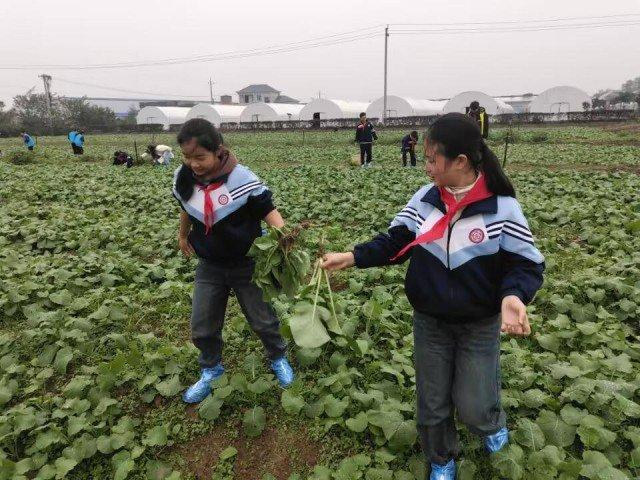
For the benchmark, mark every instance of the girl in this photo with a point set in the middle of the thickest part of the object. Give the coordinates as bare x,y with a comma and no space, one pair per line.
223,204
473,269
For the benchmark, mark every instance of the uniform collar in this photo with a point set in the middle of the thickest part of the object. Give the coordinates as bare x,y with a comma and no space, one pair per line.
488,205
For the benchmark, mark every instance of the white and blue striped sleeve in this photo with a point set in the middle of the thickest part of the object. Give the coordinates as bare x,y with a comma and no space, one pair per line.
523,264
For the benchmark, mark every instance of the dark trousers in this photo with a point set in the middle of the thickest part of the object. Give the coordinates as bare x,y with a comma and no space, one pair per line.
365,150
77,150
412,154
30,149
457,370
213,284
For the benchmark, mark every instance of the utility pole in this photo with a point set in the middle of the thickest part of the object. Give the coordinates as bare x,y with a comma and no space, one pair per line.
46,79
386,48
211,82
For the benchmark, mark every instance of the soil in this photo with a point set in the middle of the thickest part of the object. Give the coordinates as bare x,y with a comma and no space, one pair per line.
279,451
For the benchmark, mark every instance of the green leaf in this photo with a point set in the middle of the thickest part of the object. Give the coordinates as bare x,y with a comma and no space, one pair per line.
156,436
529,434
306,326
508,462
169,387
63,357
358,423
555,430
64,466
254,421
307,356
379,474
61,297
335,407
123,464
572,415
592,463
228,453
260,386
404,437
209,408
291,404
104,405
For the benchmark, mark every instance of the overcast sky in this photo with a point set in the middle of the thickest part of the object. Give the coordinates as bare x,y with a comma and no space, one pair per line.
425,66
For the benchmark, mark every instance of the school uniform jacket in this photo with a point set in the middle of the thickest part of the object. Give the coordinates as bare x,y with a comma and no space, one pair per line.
239,204
484,255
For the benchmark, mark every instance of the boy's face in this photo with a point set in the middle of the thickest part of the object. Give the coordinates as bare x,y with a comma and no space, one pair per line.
363,118
202,161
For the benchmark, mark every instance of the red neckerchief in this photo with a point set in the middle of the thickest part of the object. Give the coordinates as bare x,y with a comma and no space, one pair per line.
209,212
477,193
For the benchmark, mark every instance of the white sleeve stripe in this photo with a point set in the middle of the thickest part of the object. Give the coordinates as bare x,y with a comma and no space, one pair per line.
255,182
519,238
518,225
245,191
517,231
402,215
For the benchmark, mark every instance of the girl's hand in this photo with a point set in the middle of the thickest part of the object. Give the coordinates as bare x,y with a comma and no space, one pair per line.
514,316
337,261
185,247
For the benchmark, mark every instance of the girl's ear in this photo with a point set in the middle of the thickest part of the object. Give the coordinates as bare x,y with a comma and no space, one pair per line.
462,162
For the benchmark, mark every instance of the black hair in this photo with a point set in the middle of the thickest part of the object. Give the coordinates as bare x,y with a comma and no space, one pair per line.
414,134
474,105
206,136
363,114
457,134
203,131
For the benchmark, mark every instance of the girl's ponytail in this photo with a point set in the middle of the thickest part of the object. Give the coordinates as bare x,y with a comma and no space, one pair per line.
489,165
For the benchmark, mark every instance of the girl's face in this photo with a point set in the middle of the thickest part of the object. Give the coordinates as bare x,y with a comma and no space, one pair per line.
202,161
442,171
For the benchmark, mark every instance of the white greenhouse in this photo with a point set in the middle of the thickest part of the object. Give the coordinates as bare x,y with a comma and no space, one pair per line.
325,109
165,116
493,106
560,99
271,112
216,113
405,107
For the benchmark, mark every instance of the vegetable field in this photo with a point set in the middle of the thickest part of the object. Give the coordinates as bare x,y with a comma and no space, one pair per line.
95,305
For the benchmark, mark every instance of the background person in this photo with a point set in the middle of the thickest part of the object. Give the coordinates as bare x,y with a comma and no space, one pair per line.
365,135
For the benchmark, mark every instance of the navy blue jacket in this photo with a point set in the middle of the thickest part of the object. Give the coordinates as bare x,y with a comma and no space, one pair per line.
408,143
485,255
240,204
365,133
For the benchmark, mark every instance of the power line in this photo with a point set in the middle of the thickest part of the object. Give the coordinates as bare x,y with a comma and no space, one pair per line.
123,90
328,40
501,22
457,31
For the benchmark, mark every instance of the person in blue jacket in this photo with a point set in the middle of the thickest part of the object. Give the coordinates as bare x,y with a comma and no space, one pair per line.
473,268
78,142
29,141
70,136
223,204
409,147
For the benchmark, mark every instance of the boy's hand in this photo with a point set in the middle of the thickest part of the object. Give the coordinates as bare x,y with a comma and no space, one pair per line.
185,247
514,316
337,261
